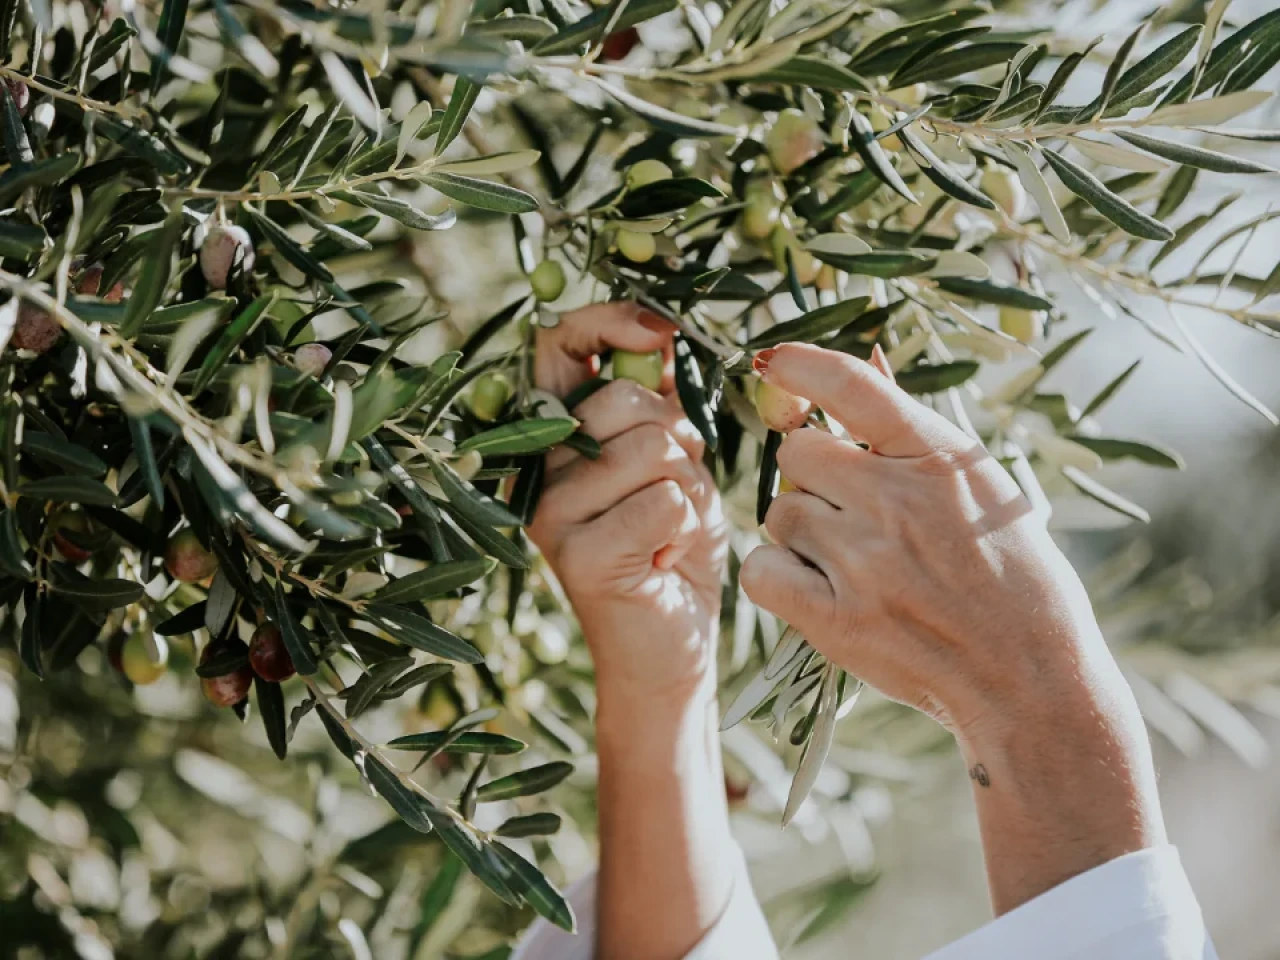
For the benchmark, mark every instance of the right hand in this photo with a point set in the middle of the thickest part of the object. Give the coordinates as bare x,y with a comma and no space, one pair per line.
916,564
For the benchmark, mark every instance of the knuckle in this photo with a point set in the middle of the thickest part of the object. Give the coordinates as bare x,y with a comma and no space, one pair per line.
788,517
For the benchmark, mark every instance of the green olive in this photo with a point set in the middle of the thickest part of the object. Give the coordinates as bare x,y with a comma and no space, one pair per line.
646,172
637,247
792,141
489,396
780,410
547,280
136,662
644,368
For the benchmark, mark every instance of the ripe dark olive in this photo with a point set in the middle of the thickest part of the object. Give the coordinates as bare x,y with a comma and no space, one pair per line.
20,93
187,560
35,329
223,247
268,656
72,523
312,358
619,43
227,689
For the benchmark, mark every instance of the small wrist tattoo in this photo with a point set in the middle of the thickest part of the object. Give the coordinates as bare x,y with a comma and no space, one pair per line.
979,773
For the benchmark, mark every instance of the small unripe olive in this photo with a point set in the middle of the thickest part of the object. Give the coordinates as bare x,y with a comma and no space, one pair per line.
225,245
644,368
762,211
805,263
647,171
268,656
792,141
1004,187
312,358
489,396
547,280
785,485
136,662
1026,326
469,464
780,410
227,689
619,43
73,523
187,560
35,329
637,247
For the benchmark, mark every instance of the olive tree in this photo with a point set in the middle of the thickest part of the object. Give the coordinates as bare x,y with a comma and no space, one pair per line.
256,439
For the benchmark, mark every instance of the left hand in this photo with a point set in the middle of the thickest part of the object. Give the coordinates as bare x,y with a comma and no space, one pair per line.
637,537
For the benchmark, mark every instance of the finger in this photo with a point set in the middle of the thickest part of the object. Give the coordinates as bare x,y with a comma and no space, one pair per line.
860,399
806,525
777,580
626,540
820,463
628,463
567,355
881,363
622,405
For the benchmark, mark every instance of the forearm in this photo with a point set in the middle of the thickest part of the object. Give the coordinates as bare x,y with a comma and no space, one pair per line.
667,863
1065,784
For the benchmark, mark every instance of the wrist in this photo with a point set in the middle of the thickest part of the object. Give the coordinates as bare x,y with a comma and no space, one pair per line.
644,727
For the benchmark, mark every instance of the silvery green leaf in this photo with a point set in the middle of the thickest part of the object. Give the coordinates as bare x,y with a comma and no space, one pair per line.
1207,112
1156,64
1113,156
1111,205
819,745
1040,191
1194,156
1094,490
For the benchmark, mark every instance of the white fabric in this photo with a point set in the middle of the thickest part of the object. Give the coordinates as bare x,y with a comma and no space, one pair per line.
1137,907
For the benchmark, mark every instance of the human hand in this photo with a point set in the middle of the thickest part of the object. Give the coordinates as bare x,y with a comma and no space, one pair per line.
637,537
918,566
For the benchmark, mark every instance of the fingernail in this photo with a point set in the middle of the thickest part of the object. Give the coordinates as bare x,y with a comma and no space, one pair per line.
881,362
651,321
760,362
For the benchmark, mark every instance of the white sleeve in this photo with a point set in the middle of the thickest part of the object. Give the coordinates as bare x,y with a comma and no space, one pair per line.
1137,907
740,934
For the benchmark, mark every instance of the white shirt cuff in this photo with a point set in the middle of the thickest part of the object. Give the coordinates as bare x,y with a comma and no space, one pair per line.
1136,907
739,934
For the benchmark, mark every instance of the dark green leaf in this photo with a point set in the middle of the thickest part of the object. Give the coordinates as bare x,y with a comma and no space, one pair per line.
943,177
95,595
1107,392
414,808
173,17
21,241
153,278
1194,156
1112,206
991,291
295,638
926,378
420,633
1156,64
666,196
32,636
768,474
271,706
1109,448
470,502
535,889
530,825
484,194
41,173
463,98
69,489
881,263
697,402
816,324
62,453
961,60
471,741
232,337
525,783
188,620
140,432
864,141
400,210
437,580
16,144
812,72
520,437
